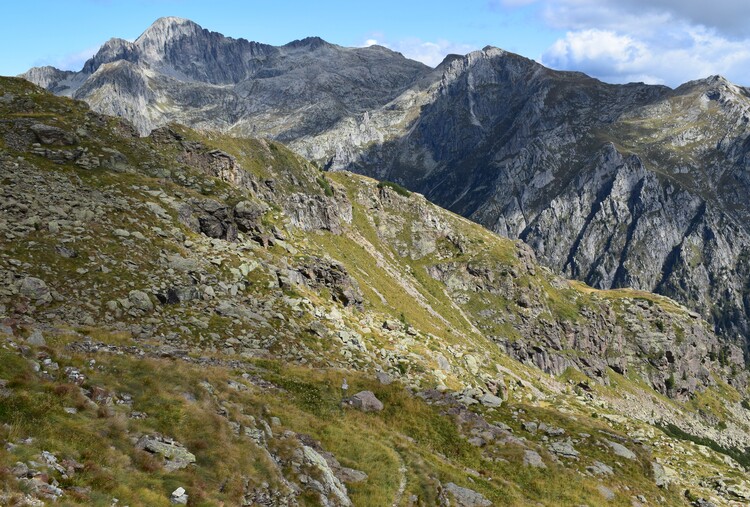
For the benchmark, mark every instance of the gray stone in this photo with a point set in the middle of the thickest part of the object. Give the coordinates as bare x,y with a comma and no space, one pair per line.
35,289
621,450
140,300
607,493
599,468
392,325
36,339
48,134
179,496
660,475
20,470
471,364
331,486
365,401
383,378
175,455
490,400
466,497
533,459
530,426
564,448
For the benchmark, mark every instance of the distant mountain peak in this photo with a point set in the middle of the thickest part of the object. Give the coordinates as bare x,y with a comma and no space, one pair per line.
169,24
308,42
167,28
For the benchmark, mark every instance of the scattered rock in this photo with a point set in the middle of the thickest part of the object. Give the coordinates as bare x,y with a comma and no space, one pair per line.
64,251
599,468
36,339
660,475
330,484
35,289
48,134
490,400
140,300
471,364
607,493
564,448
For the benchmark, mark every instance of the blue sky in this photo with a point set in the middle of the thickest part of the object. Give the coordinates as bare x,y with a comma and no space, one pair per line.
656,41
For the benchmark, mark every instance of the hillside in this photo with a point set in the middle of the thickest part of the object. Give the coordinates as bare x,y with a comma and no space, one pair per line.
184,310
615,185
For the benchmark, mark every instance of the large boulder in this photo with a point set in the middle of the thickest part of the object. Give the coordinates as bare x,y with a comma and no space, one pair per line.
175,455
47,134
35,289
140,300
365,401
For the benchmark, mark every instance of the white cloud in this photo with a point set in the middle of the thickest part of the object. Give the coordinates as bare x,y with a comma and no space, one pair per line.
71,61
655,41
620,58
428,52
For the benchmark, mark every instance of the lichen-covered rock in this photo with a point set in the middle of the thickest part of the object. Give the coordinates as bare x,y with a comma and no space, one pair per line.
48,134
175,455
330,486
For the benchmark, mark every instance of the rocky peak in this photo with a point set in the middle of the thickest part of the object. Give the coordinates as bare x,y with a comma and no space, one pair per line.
164,34
112,50
168,28
308,43
46,76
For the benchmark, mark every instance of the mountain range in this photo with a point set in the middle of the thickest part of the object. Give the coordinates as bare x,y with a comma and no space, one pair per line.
616,185
226,280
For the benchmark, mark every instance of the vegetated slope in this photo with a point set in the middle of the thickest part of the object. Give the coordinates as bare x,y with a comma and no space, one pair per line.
188,311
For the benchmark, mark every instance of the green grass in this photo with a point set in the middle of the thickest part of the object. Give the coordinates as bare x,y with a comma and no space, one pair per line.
400,190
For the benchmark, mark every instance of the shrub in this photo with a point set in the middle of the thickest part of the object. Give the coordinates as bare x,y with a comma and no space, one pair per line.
325,185
395,187
669,383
